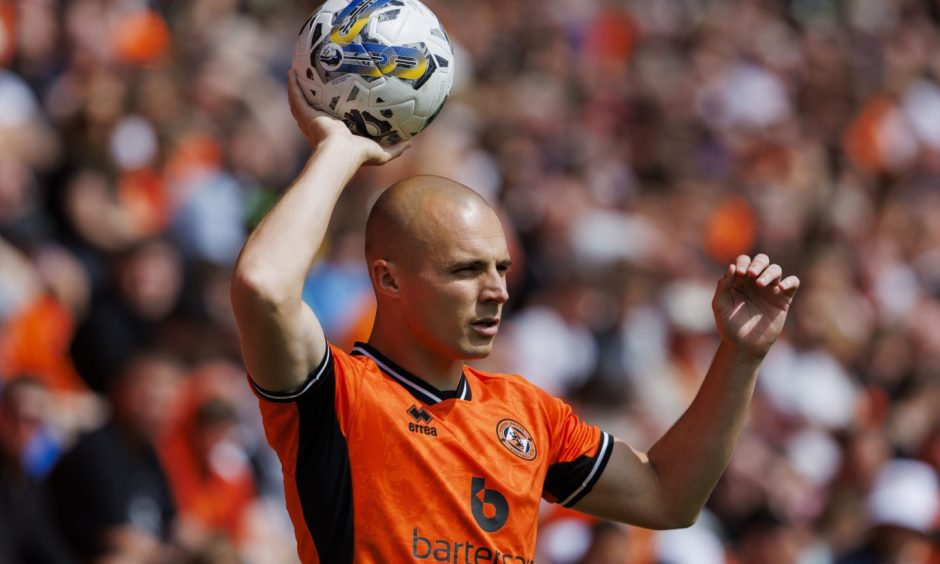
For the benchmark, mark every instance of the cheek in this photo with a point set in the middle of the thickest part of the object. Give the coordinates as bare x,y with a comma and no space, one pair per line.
440,307
454,300
425,292
435,309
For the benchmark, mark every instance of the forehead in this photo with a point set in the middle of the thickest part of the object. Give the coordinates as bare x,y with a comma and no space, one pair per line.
462,232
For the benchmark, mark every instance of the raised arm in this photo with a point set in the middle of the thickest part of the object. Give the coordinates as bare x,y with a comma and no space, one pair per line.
668,486
282,341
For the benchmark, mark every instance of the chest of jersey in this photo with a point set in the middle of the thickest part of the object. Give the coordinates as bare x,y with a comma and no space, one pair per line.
459,479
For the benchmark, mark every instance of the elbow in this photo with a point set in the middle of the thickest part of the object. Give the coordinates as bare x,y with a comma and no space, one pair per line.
255,286
657,518
682,519
685,521
664,517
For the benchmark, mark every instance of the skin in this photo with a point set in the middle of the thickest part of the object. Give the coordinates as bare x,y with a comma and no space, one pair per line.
438,260
282,340
668,486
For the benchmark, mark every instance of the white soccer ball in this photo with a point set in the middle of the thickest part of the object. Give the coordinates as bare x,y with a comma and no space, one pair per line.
384,67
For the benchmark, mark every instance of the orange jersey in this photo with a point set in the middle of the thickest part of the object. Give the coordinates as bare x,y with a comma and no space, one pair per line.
380,466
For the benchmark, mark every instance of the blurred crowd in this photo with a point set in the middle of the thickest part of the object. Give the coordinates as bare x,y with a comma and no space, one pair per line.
634,148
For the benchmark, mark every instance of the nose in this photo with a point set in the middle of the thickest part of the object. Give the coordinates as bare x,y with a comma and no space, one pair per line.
494,289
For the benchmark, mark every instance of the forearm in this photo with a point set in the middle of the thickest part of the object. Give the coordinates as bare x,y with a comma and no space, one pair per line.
690,458
279,252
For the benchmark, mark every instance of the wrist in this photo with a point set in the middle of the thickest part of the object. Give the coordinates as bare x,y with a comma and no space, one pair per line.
340,157
741,356
329,168
338,149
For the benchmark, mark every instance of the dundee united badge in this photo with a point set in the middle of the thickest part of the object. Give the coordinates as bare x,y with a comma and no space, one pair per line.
516,439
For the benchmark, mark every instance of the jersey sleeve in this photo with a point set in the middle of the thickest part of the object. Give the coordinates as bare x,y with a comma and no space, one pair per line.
307,428
579,454
309,418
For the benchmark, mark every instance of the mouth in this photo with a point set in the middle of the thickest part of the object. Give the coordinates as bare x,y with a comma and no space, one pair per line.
487,326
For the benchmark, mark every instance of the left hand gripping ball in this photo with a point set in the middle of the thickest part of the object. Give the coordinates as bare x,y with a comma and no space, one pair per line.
384,67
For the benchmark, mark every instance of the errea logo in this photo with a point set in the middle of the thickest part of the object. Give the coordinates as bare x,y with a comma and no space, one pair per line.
422,418
516,439
419,414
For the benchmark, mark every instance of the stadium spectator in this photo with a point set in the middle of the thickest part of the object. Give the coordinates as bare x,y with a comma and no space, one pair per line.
206,459
128,314
110,492
25,532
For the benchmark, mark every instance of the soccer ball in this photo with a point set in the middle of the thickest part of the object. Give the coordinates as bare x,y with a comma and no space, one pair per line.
384,67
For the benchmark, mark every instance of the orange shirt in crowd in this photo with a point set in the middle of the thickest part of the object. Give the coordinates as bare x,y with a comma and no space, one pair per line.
36,341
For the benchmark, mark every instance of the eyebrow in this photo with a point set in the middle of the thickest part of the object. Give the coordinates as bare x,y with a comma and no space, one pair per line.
476,263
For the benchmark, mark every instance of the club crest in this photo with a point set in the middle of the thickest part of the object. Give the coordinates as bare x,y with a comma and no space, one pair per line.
516,439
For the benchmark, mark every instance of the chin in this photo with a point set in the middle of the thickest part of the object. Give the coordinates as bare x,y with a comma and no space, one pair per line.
473,351
477,354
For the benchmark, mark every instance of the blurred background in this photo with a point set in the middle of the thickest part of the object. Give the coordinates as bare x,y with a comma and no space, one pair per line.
634,149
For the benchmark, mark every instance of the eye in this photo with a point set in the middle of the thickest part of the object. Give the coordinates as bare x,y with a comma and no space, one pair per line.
465,270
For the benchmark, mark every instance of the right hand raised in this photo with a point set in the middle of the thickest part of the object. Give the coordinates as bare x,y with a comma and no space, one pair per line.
319,127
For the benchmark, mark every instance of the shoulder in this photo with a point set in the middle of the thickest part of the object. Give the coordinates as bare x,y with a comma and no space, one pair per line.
500,380
510,387
350,368
346,361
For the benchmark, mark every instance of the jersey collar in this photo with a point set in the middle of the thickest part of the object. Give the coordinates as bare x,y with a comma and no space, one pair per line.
417,387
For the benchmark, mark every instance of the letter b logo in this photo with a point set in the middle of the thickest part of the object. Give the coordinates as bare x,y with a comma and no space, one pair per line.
489,509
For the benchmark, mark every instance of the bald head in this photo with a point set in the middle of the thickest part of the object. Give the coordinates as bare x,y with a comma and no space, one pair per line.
414,215
438,259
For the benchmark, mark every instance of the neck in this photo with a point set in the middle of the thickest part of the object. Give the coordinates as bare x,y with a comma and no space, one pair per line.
441,371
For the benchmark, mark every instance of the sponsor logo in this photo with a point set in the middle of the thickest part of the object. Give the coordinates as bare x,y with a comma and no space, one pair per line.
420,425
516,439
491,511
444,550
489,507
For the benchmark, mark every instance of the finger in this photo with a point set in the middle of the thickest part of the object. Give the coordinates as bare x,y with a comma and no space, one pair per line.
758,265
385,154
397,149
294,95
770,275
740,265
722,293
299,107
789,285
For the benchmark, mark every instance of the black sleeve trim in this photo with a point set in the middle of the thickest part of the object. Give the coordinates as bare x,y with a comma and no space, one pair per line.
313,380
569,482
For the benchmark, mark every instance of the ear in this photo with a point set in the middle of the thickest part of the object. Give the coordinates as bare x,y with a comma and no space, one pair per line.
384,278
